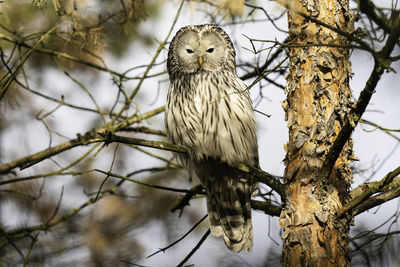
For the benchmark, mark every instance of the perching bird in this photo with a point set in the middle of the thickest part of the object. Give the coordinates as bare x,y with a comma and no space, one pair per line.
209,111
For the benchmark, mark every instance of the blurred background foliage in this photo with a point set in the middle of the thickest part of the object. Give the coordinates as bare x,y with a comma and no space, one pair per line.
84,27
105,234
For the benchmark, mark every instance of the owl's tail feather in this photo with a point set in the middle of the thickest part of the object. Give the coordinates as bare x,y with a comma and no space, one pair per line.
229,210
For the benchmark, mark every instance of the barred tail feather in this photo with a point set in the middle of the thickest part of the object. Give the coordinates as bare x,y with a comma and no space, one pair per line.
229,210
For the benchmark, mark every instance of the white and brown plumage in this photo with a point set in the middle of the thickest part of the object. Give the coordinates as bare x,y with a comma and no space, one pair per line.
209,111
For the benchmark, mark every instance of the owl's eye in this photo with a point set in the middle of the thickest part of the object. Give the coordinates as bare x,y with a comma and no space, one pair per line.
190,51
210,50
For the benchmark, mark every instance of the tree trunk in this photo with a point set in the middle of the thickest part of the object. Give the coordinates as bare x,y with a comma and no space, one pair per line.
318,98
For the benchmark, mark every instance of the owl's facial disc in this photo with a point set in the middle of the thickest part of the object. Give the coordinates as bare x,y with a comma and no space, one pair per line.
201,51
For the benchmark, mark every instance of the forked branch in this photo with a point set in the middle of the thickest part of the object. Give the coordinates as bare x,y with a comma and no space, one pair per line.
382,63
389,186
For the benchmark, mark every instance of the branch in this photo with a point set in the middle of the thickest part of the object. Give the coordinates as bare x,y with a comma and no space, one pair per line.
89,137
194,249
198,189
60,55
386,130
159,49
48,225
381,64
150,65
368,8
161,187
181,238
143,129
267,207
32,159
109,138
265,178
259,71
364,196
6,84
379,199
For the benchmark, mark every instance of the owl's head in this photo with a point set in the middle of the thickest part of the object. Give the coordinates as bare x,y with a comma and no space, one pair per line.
200,47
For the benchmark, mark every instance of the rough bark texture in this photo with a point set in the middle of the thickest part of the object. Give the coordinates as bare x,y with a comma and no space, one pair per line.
318,98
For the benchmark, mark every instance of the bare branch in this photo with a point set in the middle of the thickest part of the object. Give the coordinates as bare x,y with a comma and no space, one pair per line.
259,71
109,138
369,8
6,84
266,207
180,239
48,225
125,178
198,189
264,177
150,65
88,138
386,130
378,199
372,189
381,64
194,249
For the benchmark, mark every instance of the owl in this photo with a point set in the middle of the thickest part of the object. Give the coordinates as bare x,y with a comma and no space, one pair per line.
209,111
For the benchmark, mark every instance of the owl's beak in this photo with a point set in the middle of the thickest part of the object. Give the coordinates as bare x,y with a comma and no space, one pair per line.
201,61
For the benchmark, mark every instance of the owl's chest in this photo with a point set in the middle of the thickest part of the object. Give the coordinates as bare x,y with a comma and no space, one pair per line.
192,108
202,98
192,103
207,112
212,119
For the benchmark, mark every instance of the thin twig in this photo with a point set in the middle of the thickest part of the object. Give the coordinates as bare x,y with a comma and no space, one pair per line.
180,239
6,84
194,249
150,65
28,254
47,226
111,167
125,178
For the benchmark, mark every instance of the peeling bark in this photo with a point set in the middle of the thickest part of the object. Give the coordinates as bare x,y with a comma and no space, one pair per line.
318,99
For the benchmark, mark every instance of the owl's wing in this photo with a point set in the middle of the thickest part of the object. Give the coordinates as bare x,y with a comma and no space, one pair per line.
229,190
242,122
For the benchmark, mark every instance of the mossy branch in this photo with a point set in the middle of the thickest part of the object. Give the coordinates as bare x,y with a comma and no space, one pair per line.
389,186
